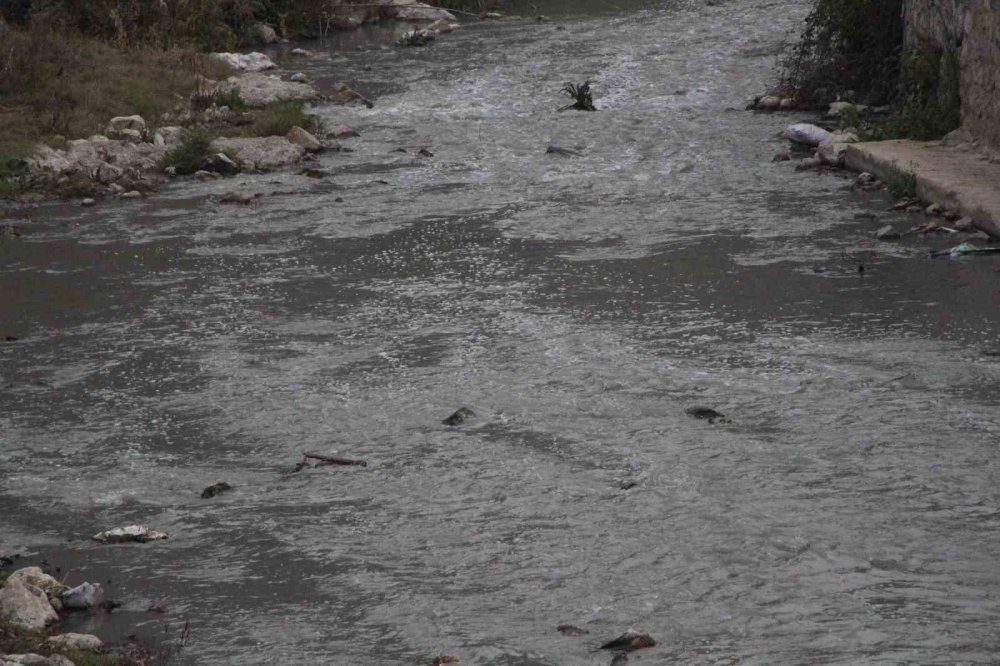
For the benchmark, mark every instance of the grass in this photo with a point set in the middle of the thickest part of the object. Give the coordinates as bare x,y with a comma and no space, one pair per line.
582,95
188,157
902,184
279,118
412,38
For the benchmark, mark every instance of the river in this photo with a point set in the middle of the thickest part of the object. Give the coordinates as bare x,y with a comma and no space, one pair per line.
847,511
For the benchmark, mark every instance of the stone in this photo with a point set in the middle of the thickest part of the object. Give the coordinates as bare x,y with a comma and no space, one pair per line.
805,133
222,486
221,163
342,132
838,109
88,202
71,641
571,630
299,77
203,175
261,153
83,596
115,189
410,10
443,26
808,164
108,173
887,233
258,90
768,103
934,209
964,224
38,578
787,104
315,173
38,660
704,413
302,53
783,156
301,137
129,534
630,640
244,62
459,417
132,194
833,150
25,605
341,93
264,33
126,128
242,198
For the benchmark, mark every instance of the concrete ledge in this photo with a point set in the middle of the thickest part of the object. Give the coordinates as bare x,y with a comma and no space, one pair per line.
955,177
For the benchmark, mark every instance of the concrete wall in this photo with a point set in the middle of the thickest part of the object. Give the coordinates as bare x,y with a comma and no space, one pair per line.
973,26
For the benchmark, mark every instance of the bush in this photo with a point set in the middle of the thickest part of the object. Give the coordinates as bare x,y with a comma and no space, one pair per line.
190,155
279,118
929,101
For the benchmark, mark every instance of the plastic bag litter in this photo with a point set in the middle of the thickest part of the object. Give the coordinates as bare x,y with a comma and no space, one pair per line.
967,247
810,135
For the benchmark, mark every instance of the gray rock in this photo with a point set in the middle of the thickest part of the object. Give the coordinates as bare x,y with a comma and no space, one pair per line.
242,198
83,596
38,660
132,194
459,417
261,153
787,104
129,534
301,137
88,202
221,163
259,90
564,152
838,109
411,10
83,642
887,233
134,126
342,132
302,53
768,103
245,62
833,150
38,578
25,605
299,77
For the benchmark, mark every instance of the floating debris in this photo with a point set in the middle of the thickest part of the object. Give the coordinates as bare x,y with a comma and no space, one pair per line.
322,461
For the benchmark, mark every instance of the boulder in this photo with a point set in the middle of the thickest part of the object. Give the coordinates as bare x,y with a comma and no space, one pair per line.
459,417
38,578
411,10
25,605
264,33
171,135
443,26
299,77
768,103
245,62
83,596
302,53
301,137
342,132
83,642
805,133
259,90
341,93
833,150
787,104
129,534
126,128
261,153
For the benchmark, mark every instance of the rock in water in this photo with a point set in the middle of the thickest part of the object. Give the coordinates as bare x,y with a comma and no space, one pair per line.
810,135
301,137
85,595
630,640
130,534
570,630
249,62
564,152
704,413
84,642
459,417
215,489
887,233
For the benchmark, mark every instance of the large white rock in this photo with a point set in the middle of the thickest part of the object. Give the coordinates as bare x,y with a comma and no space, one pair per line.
35,576
37,660
129,534
264,153
805,133
71,641
411,10
245,62
25,605
259,90
85,595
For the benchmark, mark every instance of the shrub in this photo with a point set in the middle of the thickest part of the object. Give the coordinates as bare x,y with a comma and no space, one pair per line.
279,118
929,101
188,157
582,95
902,184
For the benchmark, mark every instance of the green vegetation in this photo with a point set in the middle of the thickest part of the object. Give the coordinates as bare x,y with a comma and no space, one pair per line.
853,50
412,38
14,640
279,118
190,155
902,184
582,95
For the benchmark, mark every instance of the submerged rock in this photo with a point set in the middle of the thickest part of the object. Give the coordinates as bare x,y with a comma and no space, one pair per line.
768,103
242,198
630,640
83,596
215,488
459,417
704,413
31,659
129,534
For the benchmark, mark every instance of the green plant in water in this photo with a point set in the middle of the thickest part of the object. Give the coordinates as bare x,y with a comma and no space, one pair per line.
902,184
582,95
279,118
188,157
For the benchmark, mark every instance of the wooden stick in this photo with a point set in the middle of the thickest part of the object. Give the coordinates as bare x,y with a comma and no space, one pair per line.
334,460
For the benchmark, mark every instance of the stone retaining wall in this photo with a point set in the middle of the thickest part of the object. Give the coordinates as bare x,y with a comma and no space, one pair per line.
973,26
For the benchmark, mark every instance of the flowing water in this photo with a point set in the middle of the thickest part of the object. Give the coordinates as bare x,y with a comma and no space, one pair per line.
847,513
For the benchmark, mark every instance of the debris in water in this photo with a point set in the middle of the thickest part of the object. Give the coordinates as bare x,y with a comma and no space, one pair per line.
627,484
582,95
459,417
11,338
331,460
444,659
129,534
704,413
423,152
571,630
215,489
964,248
563,152
630,640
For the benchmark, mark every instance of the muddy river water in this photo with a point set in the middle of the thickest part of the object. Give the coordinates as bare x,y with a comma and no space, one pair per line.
848,512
